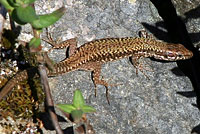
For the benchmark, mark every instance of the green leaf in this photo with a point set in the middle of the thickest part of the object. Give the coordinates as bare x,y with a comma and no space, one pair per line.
15,3
77,115
18,3
68,108
87,109
48,19
8,7
35,42
23,15
78,100
28,1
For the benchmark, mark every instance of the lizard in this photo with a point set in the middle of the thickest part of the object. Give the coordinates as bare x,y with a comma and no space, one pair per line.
91,55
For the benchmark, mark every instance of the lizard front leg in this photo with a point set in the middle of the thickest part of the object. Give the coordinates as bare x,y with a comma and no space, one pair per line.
95,67
143,34
135,60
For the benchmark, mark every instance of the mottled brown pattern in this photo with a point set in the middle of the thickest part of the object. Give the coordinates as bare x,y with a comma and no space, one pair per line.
110,49
92,55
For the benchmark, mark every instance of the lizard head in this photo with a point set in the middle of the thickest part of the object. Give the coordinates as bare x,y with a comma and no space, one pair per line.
173,52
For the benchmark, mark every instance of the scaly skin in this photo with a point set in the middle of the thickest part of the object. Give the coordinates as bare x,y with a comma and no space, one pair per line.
110,49
92,55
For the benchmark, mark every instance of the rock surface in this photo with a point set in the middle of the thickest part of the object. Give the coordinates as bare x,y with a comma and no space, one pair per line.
137,105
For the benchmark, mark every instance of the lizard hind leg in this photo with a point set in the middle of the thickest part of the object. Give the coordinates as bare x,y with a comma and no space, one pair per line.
97,80
95,67
95,77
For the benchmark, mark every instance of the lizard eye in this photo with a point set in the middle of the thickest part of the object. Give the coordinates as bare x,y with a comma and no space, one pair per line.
170,54
179,56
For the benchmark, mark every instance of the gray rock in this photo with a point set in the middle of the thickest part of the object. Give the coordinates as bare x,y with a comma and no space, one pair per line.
138,105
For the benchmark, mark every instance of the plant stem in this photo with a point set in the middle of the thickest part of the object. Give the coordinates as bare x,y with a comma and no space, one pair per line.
49,101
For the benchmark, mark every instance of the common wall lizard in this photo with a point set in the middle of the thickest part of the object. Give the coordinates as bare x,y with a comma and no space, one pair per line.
92,55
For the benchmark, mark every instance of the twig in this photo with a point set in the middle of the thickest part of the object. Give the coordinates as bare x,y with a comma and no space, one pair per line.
49,101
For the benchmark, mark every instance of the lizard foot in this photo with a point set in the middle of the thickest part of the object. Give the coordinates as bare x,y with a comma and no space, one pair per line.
143,67
106,85
135,60
143,34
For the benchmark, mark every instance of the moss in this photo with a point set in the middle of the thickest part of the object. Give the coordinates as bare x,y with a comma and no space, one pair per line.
19,127
8,39
21,103
24,102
